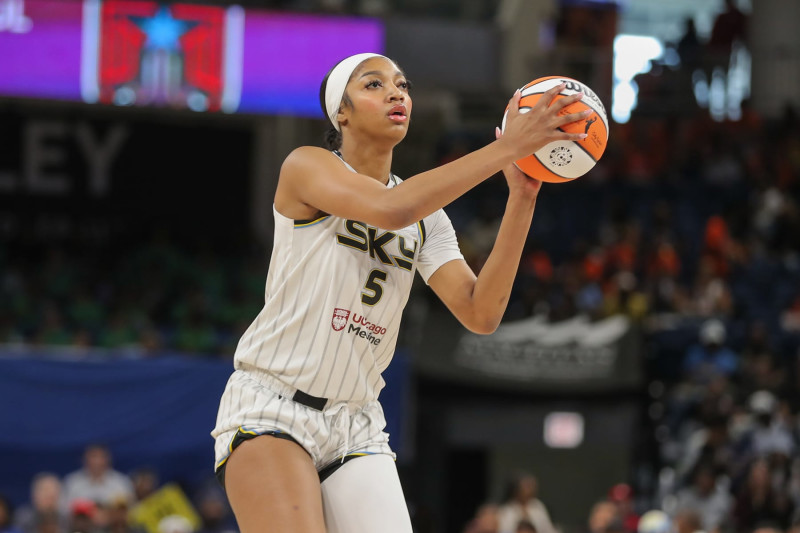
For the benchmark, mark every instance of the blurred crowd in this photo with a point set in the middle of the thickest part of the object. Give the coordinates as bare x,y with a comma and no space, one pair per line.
521,511
691,227
726,435
140,300
95,498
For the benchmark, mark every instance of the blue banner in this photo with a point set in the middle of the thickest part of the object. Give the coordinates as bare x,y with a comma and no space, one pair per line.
154,412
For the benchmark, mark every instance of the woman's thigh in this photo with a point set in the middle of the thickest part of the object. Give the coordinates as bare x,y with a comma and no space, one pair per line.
365,496
272,486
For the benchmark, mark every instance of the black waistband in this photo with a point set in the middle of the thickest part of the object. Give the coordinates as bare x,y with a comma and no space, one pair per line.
309,401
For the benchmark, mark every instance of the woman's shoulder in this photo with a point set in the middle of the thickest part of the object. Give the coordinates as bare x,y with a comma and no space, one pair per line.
306,159
309,153
310,150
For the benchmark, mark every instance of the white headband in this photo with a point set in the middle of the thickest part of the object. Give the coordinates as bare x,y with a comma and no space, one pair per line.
337,82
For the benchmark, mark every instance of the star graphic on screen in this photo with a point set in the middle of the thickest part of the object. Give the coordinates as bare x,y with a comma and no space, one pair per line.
162,30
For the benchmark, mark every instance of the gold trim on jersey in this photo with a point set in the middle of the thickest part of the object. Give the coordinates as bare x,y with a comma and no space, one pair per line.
307,223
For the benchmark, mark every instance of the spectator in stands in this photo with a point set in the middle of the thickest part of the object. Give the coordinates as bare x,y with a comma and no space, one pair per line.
604,518
730,27
7,516
521,502
83,514
196,334
706,497
722,164
664,293
622,296
214,512
50,523
10,325
85,310
118,518
761,501
719,248
97,481
145,482
118,332
621,494
663,259
688,521
768,436
710,295
486,520
151,341
53,330
711,358
46,505
710,444
761,368
689,48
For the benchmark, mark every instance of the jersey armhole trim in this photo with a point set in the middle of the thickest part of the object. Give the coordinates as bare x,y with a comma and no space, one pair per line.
310,222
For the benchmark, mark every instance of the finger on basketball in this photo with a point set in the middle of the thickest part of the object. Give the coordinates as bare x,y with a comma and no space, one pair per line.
550,95
571,136
573,117
561,103
513,104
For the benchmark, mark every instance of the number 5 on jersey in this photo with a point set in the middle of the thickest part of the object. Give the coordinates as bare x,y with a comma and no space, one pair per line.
373,290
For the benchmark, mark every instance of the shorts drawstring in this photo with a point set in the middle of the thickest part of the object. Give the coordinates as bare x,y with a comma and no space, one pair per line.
342,423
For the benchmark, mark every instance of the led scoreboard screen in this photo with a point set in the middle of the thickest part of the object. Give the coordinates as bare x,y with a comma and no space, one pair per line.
179,55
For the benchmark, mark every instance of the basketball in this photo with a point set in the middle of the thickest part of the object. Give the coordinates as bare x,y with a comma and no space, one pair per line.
563,161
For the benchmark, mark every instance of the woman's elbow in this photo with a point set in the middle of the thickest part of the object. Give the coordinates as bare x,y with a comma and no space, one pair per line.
485,325
395,217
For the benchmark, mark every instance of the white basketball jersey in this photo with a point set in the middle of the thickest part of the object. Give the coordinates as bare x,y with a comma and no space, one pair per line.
335,295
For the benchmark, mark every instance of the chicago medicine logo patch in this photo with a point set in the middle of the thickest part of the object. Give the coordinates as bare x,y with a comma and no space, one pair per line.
339,319
359,326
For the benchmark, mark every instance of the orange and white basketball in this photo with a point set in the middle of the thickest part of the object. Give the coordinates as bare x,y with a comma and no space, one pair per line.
562,161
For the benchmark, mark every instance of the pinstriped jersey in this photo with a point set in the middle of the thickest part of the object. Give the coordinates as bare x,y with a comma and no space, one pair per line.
334,297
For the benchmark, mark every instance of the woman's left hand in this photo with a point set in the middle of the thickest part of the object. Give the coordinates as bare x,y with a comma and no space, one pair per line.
519,183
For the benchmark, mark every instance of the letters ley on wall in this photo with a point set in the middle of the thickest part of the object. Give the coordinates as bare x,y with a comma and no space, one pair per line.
75,178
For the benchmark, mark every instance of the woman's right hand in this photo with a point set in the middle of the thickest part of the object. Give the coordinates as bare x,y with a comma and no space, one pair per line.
525,133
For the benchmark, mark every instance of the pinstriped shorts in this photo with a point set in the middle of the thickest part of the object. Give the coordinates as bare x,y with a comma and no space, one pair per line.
257,403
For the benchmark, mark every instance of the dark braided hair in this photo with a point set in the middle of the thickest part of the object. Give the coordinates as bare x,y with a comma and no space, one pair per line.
332,139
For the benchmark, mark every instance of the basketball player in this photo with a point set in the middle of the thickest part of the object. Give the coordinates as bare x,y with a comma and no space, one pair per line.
300,445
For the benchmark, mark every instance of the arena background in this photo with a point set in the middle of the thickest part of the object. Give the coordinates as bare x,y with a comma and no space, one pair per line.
136,180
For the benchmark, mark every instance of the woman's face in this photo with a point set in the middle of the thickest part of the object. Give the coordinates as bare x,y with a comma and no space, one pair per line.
380,102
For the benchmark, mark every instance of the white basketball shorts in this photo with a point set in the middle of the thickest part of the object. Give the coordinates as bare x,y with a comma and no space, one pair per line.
255,403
